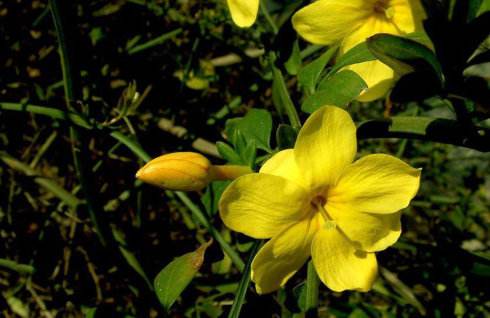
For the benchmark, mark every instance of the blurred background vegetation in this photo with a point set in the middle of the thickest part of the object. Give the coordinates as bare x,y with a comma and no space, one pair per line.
192,70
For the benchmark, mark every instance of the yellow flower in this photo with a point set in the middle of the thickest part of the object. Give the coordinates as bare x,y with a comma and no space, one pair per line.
243,12
352,22
186,171
313,200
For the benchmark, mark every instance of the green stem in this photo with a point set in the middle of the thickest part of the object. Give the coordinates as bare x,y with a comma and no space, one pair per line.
286,101
154,42
54,113
268,17
244,283
312,286
70,79
132,145
201,218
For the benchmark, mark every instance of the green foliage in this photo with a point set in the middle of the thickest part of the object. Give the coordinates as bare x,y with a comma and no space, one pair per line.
174,278
404,55
309,74
255,126
338,89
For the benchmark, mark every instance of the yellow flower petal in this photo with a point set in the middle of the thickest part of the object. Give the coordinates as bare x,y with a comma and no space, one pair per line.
377,184
262,205
326,144
243,12
328,21
339,265
282,256
284,165
372,26
408,15
369,232
378,77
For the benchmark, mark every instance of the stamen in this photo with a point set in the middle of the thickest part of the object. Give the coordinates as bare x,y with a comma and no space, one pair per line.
382,7
318,203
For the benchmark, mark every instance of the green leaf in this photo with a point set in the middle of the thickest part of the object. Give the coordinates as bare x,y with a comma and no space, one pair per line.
293,64
403,55
228,153
308,75
358,54
174,278
339,89
285,136
256,125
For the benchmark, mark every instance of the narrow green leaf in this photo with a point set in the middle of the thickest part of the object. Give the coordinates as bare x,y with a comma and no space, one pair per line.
338,89
129,256
154,42
281,98
134,264
309,74
54,113
174,278
403,55
228,153
312,286
358,54
201,218
293,64
244,283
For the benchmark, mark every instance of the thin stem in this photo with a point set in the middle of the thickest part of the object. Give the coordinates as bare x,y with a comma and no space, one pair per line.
201,218
268,17
244,283
286,101
70,80
54,113
312,286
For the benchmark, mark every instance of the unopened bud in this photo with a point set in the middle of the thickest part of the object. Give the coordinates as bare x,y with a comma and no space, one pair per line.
186,171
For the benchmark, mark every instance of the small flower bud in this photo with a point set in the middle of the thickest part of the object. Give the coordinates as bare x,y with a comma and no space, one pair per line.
182,171
186,171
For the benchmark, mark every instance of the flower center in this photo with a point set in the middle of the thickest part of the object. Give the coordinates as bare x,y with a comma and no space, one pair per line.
382,8
318,203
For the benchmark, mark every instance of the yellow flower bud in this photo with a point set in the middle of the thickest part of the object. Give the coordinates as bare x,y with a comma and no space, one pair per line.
183,171
186,171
